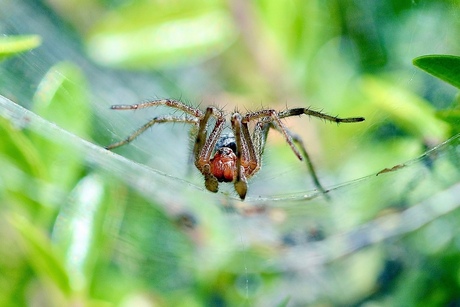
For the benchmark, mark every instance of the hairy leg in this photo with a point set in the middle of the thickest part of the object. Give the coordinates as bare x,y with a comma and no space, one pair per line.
241,183
176,104
307,111
156,120
204,146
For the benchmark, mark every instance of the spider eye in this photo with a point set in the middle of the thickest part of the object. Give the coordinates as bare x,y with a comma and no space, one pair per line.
232,146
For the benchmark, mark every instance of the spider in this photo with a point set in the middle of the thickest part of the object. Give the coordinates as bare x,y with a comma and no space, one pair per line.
236,156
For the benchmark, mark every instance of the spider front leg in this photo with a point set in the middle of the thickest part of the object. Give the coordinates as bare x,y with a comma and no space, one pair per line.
271,117
240,183
204,148
295,138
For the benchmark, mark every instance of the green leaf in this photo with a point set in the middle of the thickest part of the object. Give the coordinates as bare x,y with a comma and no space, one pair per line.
410,112
445,67
77,230
151,35
452,117
41,254
11,45
62,98
22,166
20,150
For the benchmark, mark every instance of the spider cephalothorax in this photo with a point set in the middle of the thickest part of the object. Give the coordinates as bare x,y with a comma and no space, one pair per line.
231,157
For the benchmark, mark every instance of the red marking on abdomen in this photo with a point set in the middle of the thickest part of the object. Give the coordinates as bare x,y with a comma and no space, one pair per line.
223,165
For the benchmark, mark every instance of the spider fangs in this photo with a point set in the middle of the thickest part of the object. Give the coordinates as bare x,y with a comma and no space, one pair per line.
231,157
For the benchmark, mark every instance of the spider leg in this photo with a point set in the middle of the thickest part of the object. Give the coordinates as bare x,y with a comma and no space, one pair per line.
203,147
307,111
251,156
271,116
259,137
261,133
298,140
176,104
241,183
157,120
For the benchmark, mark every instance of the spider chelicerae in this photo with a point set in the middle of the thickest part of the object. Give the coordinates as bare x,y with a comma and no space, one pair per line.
235,156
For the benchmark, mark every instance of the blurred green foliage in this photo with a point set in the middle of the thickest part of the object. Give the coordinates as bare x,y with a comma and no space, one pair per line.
73,234
446,68
10,45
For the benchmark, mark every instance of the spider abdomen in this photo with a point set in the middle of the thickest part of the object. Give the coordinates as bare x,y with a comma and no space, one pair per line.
223,164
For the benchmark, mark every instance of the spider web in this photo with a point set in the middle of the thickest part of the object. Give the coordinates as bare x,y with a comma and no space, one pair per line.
418,188
310,246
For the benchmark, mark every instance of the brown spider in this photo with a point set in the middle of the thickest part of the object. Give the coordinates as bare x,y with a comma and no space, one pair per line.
232,157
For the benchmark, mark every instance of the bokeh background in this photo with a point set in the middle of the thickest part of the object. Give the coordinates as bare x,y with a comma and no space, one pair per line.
83,226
